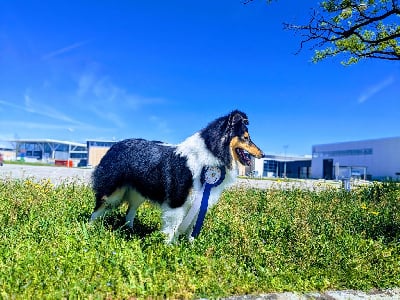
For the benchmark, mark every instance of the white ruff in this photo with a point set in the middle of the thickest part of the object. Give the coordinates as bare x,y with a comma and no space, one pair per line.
198,156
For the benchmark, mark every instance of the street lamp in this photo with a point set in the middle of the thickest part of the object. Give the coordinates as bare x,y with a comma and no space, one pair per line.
284,164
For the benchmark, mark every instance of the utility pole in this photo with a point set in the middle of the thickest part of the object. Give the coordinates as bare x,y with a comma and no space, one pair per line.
284,164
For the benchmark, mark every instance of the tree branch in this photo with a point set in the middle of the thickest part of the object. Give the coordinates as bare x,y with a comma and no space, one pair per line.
322,31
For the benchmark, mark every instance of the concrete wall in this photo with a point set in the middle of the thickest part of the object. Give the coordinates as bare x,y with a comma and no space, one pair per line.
95,154
259,166
381,157
8,155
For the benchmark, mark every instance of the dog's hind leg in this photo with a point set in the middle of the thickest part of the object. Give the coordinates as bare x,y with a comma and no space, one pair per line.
134,199
105,203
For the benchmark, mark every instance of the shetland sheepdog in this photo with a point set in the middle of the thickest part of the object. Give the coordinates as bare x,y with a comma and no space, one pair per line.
135,170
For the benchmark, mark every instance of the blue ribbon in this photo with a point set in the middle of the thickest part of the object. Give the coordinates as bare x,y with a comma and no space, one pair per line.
203,210
204,202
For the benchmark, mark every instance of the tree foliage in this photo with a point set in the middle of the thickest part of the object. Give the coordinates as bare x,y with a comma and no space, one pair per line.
357,29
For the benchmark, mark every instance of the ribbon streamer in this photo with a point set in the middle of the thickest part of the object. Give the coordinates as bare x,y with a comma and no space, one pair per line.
211,176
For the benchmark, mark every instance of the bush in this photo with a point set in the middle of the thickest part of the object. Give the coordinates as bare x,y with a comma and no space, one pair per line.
253,241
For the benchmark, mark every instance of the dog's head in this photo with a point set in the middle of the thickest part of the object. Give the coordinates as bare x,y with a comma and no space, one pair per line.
229,139
241,145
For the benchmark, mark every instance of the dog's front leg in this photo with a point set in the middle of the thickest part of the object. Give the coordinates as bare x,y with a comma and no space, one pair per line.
171,219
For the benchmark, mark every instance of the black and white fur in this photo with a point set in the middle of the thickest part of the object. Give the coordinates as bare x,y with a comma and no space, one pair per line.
134,170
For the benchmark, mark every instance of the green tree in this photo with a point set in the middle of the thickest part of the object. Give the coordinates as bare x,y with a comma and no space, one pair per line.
357,29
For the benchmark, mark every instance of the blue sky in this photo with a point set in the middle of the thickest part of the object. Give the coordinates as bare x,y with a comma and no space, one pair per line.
78,70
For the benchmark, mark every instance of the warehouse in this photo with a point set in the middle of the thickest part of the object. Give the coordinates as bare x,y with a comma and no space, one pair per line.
7,150
283,166
376,159
50,151
58,152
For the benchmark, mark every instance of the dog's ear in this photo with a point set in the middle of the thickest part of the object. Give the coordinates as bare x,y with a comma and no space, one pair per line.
237,117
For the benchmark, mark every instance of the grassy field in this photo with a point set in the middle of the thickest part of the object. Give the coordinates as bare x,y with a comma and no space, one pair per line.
26,163
253,241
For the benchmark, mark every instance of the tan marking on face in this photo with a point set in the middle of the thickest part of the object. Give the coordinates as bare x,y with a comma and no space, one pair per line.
233,144
246,144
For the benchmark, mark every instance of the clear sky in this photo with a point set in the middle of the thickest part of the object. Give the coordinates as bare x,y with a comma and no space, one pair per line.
78,70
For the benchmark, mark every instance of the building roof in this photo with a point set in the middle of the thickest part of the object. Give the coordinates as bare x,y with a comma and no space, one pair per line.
6,145
359,141
101,140
287,157
49,141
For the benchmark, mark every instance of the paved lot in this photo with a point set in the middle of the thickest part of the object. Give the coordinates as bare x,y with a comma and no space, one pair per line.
56,174
63,175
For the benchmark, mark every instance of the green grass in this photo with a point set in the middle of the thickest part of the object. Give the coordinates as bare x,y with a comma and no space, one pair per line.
26,163
253,241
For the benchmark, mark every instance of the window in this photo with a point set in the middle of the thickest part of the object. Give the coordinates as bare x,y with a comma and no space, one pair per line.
349,152
100,144
78,155
270,167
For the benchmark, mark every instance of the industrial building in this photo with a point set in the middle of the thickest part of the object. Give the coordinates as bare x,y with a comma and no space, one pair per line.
7,150
375,159
285,166
55,151
367,159
50,151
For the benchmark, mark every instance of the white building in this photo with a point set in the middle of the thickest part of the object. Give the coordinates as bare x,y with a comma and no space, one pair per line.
7,150
286,166
367,159
49,150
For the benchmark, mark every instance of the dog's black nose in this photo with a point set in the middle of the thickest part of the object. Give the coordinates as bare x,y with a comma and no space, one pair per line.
261,155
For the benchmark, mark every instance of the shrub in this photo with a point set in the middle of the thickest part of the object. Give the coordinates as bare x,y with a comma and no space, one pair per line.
253,241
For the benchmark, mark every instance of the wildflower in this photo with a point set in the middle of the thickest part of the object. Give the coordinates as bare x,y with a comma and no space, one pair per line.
375,213
363,206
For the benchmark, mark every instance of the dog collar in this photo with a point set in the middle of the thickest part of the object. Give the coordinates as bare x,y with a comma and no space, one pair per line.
211,176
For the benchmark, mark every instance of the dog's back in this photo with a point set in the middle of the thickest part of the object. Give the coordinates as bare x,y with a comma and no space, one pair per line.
151,168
